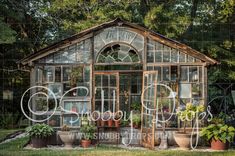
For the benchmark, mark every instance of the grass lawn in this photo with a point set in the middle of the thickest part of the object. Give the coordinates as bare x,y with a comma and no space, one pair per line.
15,148
5,132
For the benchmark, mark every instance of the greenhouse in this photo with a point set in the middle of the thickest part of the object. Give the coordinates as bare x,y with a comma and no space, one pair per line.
112,64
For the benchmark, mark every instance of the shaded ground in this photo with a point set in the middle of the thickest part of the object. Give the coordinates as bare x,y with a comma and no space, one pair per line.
6,132
15,147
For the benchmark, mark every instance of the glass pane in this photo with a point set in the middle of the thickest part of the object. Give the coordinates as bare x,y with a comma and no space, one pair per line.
66,73
71,120
105,80
66,87
182,57
149,68
98,80
166,54
185,90
150,57
49,74
183,73
174,73
159,72
50,59
58,57
190,59
41,104
166,75
196,90
38,74
113,81
56,88
87,74
193,74
200,74
174,56
57,74
54,121
158,56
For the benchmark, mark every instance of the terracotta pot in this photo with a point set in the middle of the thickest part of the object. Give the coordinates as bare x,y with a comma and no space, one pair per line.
103,123
93,141
85,143
183,140
117,123
135,126
219,145
38,142
110,122
98,122
67,137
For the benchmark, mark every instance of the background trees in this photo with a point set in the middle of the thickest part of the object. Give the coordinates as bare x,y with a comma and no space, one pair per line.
28,25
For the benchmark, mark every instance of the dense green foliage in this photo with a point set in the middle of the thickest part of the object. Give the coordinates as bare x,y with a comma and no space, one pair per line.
220,132
39,130
88,131
189,113
26,26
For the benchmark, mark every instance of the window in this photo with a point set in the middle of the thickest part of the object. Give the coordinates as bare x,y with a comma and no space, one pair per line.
48,74
118,34
191,85
118,53
76,53
158,52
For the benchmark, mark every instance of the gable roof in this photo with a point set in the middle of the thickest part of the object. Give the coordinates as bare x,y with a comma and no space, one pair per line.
119,22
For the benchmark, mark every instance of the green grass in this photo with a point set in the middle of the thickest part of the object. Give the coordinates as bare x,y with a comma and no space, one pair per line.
15,148
5,132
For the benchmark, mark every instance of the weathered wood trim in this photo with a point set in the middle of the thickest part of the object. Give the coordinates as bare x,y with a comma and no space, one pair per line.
175,64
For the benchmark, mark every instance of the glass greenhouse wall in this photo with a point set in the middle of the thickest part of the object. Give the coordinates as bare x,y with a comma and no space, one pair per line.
112,58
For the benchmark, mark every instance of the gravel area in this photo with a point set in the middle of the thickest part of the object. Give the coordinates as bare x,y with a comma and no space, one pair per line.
20,135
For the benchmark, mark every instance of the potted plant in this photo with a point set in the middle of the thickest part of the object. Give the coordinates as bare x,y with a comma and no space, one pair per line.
39,134
105,118
117,119
88,132
218,134
183,138
110,121
136,120
67,136
125,123
136,107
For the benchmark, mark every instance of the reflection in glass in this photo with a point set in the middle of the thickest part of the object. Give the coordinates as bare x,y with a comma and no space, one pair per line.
49,74
183,73
166,75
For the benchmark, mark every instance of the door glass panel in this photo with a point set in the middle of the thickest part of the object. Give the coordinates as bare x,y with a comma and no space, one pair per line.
106,88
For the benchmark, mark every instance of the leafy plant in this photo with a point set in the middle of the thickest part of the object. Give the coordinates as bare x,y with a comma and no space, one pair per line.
124,123
88,131
220,132
65,128
188,113
75,75
136,106
136,119
8,120
39,130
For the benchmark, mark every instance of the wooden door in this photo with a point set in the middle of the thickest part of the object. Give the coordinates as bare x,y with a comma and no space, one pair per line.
148,113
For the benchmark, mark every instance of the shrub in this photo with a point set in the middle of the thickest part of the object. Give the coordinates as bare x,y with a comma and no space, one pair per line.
88,131
40,131
220,132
